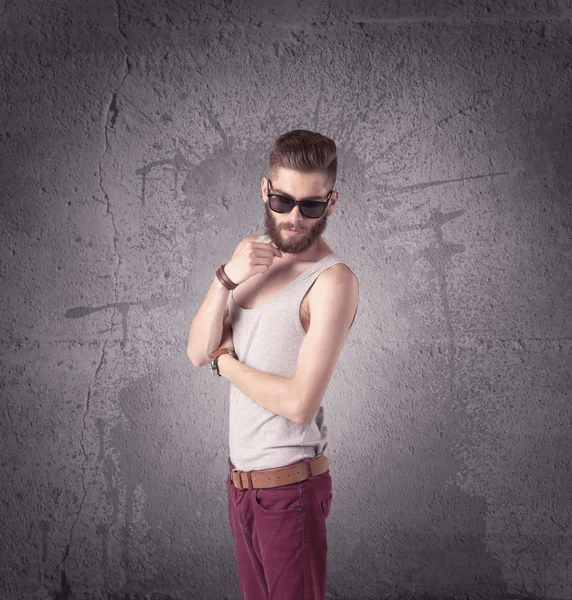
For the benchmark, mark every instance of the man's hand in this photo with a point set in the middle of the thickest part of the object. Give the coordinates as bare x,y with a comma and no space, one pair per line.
226,340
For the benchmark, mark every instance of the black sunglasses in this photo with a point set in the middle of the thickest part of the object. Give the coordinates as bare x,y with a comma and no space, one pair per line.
313,209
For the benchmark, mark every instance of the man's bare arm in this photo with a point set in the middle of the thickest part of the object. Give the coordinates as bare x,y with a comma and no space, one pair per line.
280,395
206,328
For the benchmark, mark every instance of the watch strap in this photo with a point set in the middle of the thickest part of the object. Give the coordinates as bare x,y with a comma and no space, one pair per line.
220,351
214,358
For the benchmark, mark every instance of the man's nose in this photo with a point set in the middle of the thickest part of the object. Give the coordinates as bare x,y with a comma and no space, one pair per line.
297,215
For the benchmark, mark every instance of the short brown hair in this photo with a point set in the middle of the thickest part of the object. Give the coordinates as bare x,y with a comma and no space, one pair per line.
304,151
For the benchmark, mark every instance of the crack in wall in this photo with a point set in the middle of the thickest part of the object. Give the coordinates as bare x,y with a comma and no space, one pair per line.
111,117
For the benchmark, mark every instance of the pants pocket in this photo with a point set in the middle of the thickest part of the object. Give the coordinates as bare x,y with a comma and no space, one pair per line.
278,500
326,505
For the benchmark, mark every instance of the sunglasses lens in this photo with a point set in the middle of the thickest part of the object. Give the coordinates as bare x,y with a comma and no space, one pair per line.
312,210
281,204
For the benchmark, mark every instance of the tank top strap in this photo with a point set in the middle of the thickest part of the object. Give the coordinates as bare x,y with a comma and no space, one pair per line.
311,273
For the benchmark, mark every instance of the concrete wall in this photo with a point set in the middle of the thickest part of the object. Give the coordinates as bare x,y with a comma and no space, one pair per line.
134,137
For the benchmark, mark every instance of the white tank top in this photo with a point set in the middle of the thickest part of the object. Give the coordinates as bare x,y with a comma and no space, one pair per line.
268,338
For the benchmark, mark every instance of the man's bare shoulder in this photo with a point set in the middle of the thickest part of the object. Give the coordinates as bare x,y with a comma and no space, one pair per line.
328,282
337,274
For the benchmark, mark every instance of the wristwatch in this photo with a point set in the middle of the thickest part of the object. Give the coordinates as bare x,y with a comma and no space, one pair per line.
214,359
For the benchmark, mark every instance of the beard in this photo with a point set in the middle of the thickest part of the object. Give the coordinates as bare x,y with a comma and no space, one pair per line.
293,244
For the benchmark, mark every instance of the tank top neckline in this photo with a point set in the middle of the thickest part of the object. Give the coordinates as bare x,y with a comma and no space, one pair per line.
331,254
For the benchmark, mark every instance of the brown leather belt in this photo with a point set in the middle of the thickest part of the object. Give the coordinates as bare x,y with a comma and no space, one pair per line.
267,478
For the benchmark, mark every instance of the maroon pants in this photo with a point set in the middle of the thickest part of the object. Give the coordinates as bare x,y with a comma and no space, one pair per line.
280,537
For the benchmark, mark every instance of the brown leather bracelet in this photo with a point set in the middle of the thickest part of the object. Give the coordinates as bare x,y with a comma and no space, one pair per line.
224,279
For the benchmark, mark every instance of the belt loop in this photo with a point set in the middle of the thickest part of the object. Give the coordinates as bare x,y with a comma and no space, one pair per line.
249,477
308,468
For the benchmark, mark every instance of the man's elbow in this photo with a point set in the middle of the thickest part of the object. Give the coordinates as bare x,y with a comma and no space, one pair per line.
304,413
303,419
195,362
300,420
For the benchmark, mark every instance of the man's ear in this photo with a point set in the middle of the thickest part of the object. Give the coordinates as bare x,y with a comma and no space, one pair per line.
331,205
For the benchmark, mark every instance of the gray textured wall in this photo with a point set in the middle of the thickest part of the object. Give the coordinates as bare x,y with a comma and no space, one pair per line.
134,136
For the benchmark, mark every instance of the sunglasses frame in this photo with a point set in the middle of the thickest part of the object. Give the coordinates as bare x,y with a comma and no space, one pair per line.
299,203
